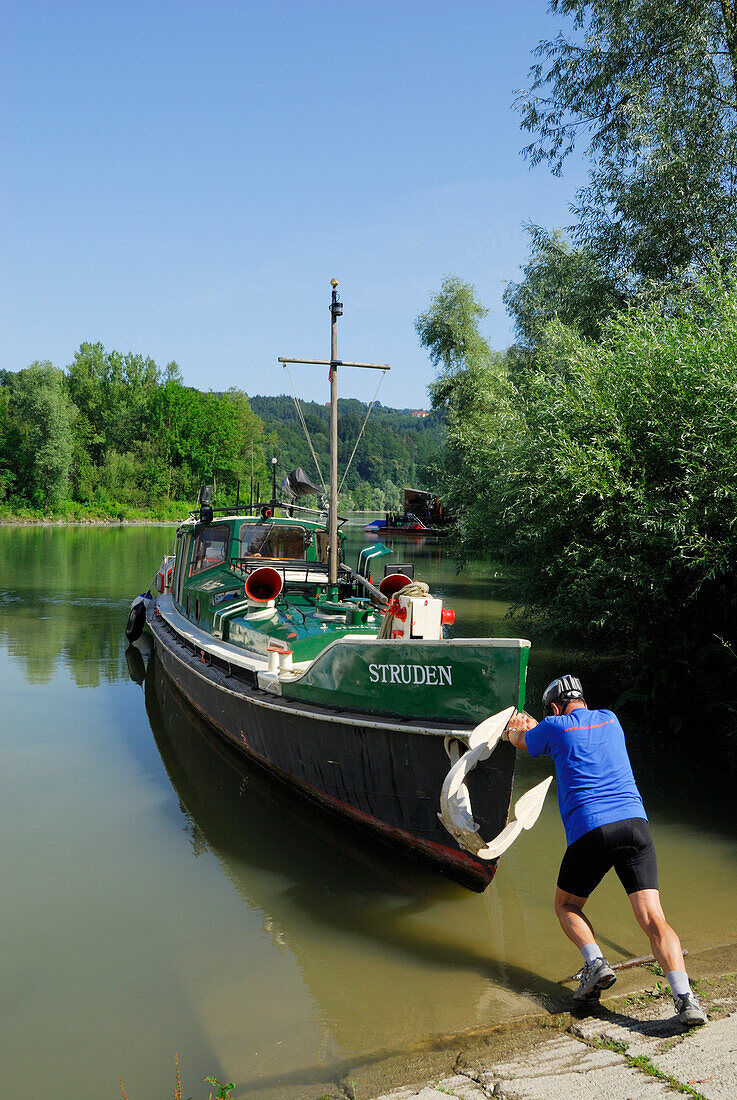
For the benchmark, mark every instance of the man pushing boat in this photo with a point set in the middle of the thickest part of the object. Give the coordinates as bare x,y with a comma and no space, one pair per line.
606,826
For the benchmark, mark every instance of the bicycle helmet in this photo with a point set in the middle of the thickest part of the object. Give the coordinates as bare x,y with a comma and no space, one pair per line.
561,691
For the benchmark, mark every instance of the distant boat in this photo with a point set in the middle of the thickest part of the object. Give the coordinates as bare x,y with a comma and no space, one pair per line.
423,515
345,688
427,507
402,523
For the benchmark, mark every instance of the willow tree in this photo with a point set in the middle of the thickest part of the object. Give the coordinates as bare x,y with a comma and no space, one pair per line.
565,282
647,89
472,391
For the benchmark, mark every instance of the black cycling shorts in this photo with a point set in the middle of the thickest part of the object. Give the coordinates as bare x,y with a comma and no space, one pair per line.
624,845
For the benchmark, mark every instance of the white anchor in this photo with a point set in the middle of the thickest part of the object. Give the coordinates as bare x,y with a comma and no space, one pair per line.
455,801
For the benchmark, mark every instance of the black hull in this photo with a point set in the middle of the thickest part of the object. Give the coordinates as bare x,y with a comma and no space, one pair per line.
379,775
249,817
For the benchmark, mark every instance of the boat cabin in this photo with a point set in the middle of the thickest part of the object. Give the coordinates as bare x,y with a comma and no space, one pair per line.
260,580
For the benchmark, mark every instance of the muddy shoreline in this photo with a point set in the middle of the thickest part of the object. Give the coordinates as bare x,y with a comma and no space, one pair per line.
637,996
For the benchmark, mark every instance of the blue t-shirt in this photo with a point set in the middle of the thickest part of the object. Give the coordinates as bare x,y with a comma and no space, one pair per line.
592,769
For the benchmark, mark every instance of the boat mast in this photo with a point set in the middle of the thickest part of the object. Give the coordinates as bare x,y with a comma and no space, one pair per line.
336,311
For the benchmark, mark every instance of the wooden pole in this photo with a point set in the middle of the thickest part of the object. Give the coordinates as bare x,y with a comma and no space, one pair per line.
336,310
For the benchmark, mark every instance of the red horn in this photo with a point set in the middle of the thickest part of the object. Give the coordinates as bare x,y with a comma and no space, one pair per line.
264,584
392,583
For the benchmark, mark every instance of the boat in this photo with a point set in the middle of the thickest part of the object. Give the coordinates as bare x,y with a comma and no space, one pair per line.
423,515
402,523
428,508
343,684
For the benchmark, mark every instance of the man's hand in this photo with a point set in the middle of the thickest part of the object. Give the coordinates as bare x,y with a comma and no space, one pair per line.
517,727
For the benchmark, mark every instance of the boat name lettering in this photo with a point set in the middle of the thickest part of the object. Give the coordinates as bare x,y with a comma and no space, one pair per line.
411,674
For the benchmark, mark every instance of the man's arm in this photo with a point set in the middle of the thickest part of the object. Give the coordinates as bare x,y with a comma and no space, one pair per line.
518,726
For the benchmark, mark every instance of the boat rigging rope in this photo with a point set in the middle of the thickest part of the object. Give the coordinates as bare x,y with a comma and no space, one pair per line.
305,429
368,414
414,588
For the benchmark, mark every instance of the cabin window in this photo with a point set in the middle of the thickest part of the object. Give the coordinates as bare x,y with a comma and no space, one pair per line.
273,541
210,548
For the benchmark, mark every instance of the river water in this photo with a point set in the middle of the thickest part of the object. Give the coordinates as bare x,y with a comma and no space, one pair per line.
161,897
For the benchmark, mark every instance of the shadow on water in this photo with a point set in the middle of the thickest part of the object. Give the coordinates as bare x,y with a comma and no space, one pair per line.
321,884
333,872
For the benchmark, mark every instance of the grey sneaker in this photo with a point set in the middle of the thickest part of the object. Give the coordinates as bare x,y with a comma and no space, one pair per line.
595,976
688,1010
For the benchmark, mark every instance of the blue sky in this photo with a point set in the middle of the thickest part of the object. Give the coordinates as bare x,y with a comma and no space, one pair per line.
183,180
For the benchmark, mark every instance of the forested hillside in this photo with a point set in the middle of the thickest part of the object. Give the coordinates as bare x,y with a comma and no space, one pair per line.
397,449
113,434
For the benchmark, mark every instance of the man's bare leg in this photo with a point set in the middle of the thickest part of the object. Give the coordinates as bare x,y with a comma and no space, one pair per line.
664,943
569,911
666,947
597,973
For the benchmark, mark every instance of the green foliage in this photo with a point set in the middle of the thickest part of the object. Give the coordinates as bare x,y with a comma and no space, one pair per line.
223,1092
470,391
135,438
607,476
617,1045
38,442
115,436
650,87
7,456
641,1061
450,327
202,437
395,450
646,1065
563,282
619,479
112,393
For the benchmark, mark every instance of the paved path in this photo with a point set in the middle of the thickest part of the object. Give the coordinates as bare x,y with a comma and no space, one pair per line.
636,1053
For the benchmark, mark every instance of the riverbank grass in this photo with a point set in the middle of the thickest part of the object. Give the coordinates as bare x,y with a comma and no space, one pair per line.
108,512
223,1090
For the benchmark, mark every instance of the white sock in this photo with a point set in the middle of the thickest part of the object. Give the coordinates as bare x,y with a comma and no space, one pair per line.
591,951
678,982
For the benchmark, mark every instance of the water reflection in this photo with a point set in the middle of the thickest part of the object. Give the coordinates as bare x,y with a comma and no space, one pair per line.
361,921
137,657
64,593
198,906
